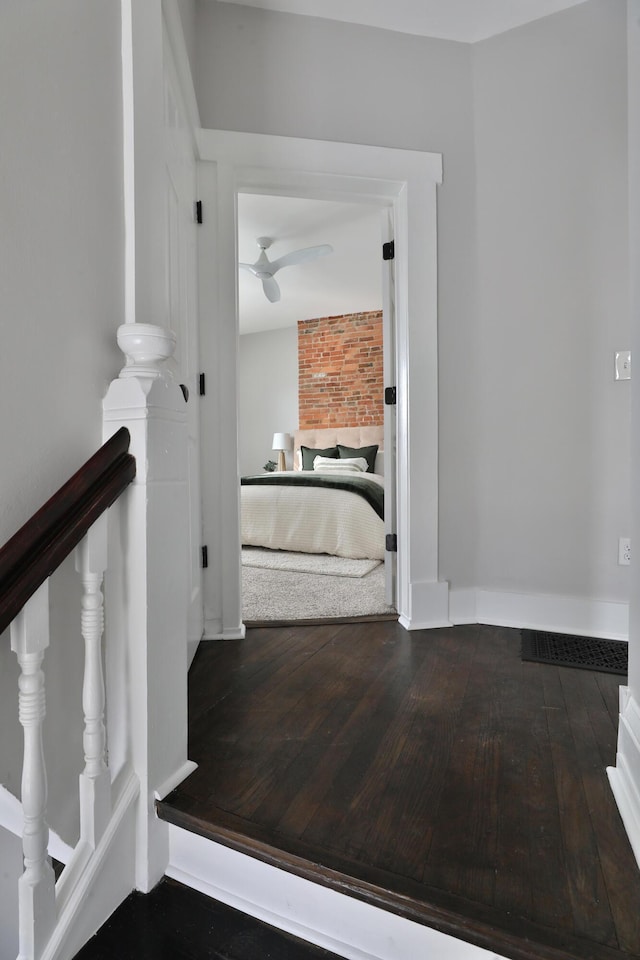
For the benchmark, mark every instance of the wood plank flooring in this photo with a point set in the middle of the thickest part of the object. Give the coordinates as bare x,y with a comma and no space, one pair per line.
433,773
176,923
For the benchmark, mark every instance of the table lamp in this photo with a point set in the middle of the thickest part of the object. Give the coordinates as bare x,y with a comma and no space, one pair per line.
282,442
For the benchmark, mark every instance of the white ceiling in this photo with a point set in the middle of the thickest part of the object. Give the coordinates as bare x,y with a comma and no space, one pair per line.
464,20
348,280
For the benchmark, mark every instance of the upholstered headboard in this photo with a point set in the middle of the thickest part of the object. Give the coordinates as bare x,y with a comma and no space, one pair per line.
349,436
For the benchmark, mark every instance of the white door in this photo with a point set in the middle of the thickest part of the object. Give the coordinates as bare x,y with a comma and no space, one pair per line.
389,360
182,300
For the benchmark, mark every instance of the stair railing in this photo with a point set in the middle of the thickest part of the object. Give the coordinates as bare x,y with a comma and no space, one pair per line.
74,517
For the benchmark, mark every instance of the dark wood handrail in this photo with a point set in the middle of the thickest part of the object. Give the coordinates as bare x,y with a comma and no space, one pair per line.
40,546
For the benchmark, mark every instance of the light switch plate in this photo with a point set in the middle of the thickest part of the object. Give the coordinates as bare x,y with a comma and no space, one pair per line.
623,365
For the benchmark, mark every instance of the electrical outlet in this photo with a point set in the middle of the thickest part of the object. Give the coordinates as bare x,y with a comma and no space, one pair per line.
624,551
623,365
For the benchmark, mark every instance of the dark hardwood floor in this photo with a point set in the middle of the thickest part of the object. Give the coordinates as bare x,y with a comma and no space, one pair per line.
176,923
433,773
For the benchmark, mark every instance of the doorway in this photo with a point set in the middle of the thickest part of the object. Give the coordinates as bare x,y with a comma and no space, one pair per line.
311,359
234,163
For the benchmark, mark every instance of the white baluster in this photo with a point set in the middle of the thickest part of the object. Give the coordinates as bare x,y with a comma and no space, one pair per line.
95,781
29,640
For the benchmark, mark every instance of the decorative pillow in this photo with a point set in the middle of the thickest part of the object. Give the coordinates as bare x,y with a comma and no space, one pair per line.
331,465
309,454
369,454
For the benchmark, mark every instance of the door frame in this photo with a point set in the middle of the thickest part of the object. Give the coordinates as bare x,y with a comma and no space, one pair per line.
232,163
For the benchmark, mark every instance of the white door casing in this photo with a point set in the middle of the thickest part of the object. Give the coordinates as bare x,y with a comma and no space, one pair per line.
181,284
390,425
405,181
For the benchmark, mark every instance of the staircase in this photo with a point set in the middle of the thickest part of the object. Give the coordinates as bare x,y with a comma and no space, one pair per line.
114,512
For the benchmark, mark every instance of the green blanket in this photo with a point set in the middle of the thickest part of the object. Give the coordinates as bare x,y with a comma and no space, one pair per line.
363,486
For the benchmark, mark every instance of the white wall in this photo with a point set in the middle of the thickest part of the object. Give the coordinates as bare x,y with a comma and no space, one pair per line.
534,434
61,300
633,14
552,425
267,394
265,72
187,10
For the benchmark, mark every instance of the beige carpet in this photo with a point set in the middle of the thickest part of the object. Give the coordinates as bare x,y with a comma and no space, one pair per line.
320,564
285,595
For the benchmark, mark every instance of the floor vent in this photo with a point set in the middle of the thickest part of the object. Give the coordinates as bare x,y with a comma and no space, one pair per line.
563,650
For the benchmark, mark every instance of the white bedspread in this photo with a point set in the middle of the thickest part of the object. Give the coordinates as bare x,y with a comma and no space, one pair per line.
312,520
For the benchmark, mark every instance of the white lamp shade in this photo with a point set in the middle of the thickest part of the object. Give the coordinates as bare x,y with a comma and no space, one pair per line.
281,441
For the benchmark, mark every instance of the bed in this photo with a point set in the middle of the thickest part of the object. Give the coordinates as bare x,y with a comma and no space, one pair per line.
334,508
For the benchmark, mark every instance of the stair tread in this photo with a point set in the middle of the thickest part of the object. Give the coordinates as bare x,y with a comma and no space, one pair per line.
174,922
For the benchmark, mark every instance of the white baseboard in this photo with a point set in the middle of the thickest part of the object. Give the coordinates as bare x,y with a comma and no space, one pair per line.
348,927
463,606
557,614
625,776
429,605
176,778
213,631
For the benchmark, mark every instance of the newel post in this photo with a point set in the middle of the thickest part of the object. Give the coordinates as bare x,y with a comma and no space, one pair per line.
152,619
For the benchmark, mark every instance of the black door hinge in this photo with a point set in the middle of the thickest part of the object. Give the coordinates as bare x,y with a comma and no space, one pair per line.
389,396
198,211
388,250
205,557
391,543
201,385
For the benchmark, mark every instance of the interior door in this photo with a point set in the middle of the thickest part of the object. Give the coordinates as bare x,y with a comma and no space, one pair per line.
182,300
389,363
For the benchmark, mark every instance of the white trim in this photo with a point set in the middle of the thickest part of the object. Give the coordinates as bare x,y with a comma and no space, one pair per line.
625,776
406,181
317,914
128,163
175,779
429,606
463,605
213,631
557,614
337,159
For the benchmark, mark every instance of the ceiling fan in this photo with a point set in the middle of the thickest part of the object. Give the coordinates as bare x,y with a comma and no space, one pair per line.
264,269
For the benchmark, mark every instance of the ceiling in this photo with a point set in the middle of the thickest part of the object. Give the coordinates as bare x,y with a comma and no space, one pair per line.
349,280
464,20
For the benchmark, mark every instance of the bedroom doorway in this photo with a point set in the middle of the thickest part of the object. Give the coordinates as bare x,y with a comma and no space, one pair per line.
313,358
404,181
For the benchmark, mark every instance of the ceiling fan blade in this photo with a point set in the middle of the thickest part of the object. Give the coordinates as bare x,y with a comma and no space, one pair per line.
271,289
249,267
300,256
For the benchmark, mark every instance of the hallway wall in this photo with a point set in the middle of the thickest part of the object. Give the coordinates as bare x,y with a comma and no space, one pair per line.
533,432
61,300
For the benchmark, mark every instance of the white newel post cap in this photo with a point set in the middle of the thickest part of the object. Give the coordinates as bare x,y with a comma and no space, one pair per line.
146,347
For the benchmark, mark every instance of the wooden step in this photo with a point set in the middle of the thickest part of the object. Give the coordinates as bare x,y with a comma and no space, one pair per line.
447,913
183,924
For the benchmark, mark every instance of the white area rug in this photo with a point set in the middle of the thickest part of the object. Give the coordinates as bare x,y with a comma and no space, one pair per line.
317,564
284,595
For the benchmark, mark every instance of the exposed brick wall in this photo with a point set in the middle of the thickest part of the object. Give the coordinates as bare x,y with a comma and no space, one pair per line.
340,380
